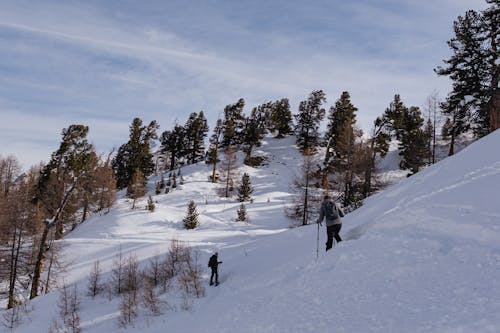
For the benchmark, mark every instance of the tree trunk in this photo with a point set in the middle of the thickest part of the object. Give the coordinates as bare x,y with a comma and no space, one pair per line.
304,214
35,282
15,251
215,162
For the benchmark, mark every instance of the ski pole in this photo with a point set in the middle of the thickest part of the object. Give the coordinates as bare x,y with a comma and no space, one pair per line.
317,243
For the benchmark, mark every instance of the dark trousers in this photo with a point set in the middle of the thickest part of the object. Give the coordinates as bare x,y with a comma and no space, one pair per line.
216,273
332,232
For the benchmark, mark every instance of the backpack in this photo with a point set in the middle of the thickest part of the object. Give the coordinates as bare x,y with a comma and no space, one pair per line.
331,211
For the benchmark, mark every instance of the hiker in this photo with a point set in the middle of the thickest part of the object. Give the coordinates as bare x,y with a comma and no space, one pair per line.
213,263
332,213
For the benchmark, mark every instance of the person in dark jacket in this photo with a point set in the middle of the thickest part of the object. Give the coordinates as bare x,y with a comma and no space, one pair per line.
213,263
332,213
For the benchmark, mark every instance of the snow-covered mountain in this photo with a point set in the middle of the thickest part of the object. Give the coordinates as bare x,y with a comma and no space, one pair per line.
421,256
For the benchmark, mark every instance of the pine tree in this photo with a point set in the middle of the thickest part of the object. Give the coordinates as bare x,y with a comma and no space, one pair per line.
413,141
281,118
135,154
308,120
196,129
245,189
191,219
158,188
340,127
473,68
242,213
151,204
254,130
173,143
233,124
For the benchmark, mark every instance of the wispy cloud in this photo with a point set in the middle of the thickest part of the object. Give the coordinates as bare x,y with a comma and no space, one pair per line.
103,63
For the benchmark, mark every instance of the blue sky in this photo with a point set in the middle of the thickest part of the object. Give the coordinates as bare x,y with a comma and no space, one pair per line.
102,63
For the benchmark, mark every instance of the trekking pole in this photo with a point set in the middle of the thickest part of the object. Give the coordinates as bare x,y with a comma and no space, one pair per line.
317,243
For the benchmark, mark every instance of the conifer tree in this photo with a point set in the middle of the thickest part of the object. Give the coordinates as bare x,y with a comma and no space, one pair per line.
245,189
173,143
191,219
254,130
340,127
196,130
151,205
135,154
233,124
413,147
281,118
242,215
473,67
158,188
308,120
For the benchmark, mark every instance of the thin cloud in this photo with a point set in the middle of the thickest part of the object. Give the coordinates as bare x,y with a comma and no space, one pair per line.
72,62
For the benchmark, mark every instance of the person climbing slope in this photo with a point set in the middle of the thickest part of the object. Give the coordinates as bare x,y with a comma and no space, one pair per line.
332,213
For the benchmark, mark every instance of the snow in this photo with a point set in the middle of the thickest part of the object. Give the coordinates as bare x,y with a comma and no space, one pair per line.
421,256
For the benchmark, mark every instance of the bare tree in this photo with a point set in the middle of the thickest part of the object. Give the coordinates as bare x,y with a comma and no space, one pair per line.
118,274
228,167
434,118
132,275
56,268
190,274
18,230
136,188
95,285
69,307
150,300
129,302
13,317
128,309
305,199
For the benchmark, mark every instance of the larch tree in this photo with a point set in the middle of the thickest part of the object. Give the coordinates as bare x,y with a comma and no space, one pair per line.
228,174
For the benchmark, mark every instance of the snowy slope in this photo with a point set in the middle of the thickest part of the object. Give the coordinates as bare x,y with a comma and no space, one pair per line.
422,256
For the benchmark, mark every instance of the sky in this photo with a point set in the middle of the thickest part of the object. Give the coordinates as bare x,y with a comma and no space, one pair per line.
102,63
